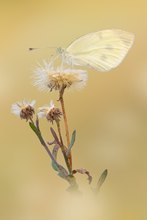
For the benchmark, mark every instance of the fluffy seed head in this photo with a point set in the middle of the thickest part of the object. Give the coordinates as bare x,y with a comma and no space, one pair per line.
48,77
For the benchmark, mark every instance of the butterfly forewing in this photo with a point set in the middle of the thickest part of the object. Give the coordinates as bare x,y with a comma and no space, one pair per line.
102,50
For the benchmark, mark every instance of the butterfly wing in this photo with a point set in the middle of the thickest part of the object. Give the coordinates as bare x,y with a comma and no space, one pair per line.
102,50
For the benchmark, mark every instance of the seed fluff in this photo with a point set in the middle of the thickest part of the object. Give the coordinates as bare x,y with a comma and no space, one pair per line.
48,78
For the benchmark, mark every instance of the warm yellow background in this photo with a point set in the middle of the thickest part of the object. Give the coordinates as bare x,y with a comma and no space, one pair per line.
110,114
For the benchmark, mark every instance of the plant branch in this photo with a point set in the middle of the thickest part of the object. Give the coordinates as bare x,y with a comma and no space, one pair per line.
65,122
64,115
62,171
44,144
63,149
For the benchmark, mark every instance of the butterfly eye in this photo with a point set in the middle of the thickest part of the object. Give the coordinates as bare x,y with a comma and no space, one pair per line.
60,50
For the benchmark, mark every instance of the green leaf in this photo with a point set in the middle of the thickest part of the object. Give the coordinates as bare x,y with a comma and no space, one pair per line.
55,135
72,142
35,129
54,153
62,172
102,179
54,165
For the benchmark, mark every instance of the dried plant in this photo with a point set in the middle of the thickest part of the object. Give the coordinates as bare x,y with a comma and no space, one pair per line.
50,78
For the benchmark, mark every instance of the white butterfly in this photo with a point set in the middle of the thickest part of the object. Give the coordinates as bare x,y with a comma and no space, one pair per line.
102,50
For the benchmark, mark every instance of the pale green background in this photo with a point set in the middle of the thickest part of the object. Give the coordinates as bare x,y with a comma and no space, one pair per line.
110,114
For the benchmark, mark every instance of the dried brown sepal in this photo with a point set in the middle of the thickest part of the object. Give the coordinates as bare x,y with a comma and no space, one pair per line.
51,142
27,113
54,115
83,171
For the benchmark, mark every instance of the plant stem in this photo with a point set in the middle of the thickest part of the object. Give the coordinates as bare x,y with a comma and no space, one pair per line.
65,122
70,178
59,132
65,119
63,149
42,141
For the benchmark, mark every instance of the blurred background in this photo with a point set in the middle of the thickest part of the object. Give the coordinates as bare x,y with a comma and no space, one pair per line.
110,114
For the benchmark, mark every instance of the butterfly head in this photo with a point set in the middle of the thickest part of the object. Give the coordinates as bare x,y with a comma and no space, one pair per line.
62,53
60,50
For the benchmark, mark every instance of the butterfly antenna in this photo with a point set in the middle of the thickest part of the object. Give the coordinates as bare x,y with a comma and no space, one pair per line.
33,48
39,48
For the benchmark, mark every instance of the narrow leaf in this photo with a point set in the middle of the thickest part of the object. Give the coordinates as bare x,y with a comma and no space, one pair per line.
71,143
55,136
54,153
37,132
37,123
33,127
102,179
55,167
62,172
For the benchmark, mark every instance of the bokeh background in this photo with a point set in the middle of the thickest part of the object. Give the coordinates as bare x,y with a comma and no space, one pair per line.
110,114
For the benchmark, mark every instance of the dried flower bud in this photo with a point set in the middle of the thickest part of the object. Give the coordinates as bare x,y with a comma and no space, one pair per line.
50,112
27,113
24,109
54,114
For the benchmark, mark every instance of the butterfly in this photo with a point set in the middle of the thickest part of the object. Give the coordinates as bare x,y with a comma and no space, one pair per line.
101,50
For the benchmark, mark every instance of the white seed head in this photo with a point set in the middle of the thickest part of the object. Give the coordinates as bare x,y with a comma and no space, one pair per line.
48,77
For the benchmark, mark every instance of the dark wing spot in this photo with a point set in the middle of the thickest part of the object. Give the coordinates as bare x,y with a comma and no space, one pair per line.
109,47
103,57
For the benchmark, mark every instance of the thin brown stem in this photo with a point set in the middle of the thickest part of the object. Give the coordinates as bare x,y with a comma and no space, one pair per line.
59,132
63,148
65,122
